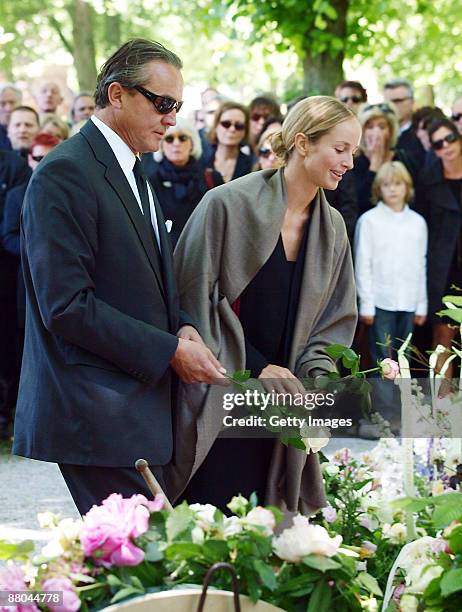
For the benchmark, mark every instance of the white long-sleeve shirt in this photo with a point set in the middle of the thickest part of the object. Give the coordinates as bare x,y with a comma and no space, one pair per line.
390,261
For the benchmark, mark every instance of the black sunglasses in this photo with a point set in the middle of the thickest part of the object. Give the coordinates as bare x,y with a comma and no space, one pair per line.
381,106
37,158
238,125
399,100
258,116
264,152
354,99
437,145
162,104
456,116
171,137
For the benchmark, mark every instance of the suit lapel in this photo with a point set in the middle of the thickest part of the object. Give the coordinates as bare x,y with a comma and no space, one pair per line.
117,180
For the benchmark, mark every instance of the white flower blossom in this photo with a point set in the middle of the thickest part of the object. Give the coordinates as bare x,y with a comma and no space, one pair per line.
232,525
304,539
205,515
396,533
261,518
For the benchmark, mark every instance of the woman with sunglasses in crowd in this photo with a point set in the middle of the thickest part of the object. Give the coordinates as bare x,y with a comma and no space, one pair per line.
380,134
228,134
439,200
264,269
178,178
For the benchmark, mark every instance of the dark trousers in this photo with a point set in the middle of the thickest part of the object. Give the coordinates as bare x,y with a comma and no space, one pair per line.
89,485
388,333
395,326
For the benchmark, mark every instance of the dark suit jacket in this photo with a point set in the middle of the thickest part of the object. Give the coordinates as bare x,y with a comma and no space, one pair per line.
101,315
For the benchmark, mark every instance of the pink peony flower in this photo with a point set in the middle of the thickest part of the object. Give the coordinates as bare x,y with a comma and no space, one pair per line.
71,601
12,579
108,529
389,368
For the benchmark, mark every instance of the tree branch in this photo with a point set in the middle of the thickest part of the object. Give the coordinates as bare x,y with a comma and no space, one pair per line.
55,24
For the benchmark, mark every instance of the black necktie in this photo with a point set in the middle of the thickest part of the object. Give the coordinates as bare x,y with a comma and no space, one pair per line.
143,193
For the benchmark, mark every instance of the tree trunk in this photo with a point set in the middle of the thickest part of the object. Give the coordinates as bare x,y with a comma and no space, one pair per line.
323,72
81,13
112,32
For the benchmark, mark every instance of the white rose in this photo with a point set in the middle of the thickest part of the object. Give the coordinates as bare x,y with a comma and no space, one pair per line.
238,504
52,550
205,515
396,533
68,531
261,517
331,469
314,438
197,535
419,577
232,525
47,519
304,539
408,603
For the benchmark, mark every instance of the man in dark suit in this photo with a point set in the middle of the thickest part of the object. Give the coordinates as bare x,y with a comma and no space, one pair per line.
104,333
14,171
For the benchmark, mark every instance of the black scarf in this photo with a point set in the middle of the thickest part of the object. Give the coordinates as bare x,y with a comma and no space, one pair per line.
185,179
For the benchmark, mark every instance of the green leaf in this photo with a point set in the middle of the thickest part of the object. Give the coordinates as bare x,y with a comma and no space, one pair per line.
114,581
215,550
320,598
369,583
179,520
453,299
295,442
455,540
182,550
136,582
153,552
335,351
453,313
321,563
359,485
278,514
451,582
266,574
241,375
444,515
253,500
123,593
15,551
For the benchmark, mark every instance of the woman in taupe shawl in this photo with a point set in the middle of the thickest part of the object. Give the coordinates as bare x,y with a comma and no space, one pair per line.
251,227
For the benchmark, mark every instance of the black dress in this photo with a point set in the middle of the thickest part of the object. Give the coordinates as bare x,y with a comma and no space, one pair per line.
455,271
267,311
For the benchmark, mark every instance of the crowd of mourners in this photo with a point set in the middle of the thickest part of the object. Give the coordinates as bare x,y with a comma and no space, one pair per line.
401,202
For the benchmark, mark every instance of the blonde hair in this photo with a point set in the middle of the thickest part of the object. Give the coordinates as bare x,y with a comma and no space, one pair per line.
382,110
314,116
393,171
61,126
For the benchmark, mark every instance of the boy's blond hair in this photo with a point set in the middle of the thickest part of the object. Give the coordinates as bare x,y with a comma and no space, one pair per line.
392,171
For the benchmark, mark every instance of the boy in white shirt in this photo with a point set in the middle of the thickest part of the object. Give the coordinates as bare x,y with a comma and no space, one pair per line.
390,262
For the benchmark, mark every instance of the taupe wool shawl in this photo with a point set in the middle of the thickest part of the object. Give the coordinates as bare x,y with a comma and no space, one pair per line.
229,237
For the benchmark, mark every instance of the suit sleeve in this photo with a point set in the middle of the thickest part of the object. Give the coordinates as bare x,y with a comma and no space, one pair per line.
61,247
10,229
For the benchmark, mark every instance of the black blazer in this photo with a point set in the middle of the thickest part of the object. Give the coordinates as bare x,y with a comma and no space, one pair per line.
101,315
436,202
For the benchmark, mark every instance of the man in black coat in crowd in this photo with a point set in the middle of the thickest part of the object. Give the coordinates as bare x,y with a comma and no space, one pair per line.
14,171
104,335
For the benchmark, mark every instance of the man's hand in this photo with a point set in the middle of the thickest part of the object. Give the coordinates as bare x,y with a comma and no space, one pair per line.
194,362
281,380
188,332
419,320
367,319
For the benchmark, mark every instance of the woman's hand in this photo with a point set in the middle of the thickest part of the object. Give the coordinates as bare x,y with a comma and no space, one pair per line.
376,150
281,380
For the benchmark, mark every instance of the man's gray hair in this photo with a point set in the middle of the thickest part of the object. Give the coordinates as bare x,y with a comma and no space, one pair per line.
12,86
394,83
126,66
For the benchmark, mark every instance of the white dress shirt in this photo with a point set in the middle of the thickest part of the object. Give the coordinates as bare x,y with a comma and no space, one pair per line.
126,159
390,261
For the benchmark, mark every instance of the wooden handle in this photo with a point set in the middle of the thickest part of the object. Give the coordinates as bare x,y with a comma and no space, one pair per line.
155,488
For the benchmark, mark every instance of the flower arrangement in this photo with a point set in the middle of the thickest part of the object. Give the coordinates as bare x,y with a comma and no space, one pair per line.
129,547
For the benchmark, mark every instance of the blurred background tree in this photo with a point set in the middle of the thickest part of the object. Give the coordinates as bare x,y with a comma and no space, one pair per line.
285,46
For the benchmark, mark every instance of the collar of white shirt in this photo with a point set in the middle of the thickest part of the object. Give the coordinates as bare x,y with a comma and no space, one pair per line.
122,152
